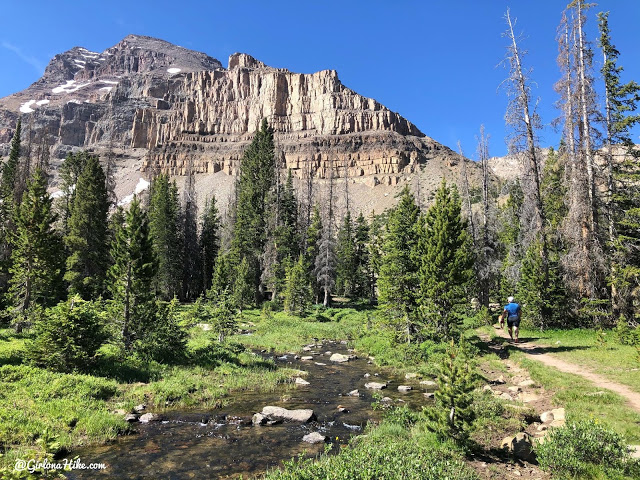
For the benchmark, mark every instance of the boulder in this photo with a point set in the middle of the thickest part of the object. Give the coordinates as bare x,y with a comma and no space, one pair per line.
520,446
140,408
375,385
428,383
307,357
515,389
131,417
301,381
259,419
315,437
404,388
558,413
150,417
547,417
303,415
340,358
353,393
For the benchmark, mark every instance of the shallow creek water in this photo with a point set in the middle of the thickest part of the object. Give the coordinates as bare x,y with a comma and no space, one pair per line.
219,444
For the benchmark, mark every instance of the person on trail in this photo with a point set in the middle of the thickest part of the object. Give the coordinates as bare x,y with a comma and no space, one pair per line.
512,313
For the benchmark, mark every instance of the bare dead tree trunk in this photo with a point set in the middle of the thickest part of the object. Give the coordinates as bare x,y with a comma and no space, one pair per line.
483,156
524,120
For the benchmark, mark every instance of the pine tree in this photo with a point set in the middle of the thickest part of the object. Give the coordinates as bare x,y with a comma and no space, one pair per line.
376,245
363,285
446,264
282,240
298,293
623,177
191,261
7,205
510,251
452,415
221,281
209,241
164,231
68,336
70,171
87,240
398,278
132,274
346,266
254,196
243,287
314,233
36,254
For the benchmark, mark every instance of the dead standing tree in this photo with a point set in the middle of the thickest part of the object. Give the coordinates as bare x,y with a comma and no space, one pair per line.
524,121
326,259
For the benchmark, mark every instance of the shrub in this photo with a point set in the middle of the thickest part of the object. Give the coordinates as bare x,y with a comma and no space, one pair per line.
164,340
69,335
581,448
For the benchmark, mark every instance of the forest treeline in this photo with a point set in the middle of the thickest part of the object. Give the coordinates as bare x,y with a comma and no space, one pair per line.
564,238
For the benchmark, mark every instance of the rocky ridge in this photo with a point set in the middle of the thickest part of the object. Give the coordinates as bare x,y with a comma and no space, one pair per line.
164,108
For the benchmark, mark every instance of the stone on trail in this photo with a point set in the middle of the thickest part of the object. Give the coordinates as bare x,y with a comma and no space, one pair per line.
404,388
314,437
301,381
303,415
558,413
527,383
307,357
515,389
547,417
340,358
375,385
520,446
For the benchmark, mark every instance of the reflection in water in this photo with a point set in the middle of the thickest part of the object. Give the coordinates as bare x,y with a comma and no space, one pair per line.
223,444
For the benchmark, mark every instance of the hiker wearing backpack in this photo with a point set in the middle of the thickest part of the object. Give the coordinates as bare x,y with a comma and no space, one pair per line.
512,313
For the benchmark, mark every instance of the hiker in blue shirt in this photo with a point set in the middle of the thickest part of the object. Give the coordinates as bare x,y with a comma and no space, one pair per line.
512,313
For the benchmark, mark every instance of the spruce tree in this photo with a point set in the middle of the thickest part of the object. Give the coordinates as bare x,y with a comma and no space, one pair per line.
7,205
70,171
87,239
282,240
221,280
623,177
453,415
346,265
242,286
191,261
37,253
164,231
363,285
132,274
376,245
209,241
446,264
298,293
254,197
314,233
398,278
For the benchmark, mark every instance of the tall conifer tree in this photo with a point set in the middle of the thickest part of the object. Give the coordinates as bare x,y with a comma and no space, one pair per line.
37,254
446,264
87,240
209,241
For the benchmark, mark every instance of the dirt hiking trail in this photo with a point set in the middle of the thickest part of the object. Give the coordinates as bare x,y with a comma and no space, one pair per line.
534,351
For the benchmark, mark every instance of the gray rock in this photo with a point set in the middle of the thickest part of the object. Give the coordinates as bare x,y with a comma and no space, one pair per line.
404,388
353,393
140,408
547,417
409,376
300,415
428,383
301,381
340,358
520,446
527,383
306,357
514,389
429,394
131,417
150,417
375,385
259,419
320,364
314,437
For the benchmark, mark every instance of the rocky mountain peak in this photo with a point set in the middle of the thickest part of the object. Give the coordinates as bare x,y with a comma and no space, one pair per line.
242,60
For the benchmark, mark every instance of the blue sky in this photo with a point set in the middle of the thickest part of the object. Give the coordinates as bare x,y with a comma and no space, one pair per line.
434,62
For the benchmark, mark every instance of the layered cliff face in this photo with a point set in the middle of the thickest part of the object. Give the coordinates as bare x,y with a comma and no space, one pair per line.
171,109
